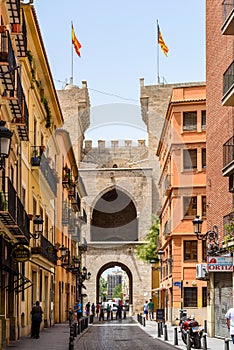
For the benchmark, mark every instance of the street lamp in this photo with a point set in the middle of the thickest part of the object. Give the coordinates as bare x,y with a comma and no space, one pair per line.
212,236
5,143
37,227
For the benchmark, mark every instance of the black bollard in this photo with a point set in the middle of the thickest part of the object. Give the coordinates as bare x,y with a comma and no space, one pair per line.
205,326
161,326
175,336
159,330
188,342
226,344
204,342
143,321
75,329
71,338
165,333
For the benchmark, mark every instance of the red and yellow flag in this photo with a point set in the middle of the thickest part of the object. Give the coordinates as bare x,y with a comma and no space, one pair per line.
162,43
75,42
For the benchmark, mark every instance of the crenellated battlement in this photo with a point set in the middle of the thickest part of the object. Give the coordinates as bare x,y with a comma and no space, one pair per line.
114,144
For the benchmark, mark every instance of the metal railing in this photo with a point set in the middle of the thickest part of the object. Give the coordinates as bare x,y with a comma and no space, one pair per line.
228,152
228,6
228,78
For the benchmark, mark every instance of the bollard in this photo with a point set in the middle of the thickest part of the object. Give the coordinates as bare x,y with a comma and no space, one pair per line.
205,326
175,336
204,342
226,344
143,321
188,342
161,327
165,333
75,329
71,338
159,330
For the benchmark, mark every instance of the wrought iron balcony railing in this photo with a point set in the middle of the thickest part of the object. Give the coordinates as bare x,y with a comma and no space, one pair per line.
45,248
12,212
48,174
228,78
228,152
228,6
19,30
13,90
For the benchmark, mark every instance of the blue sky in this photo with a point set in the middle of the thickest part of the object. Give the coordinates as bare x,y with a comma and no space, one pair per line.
119,44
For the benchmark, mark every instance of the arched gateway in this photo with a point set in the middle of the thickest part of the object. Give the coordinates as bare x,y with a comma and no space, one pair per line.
124,268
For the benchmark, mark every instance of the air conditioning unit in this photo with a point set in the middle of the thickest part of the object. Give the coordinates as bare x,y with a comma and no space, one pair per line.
201,272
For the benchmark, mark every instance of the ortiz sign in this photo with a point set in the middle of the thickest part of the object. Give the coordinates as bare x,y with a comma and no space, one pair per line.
219,264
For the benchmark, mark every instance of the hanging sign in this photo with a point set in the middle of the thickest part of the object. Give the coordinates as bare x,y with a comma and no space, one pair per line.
21,253
219,264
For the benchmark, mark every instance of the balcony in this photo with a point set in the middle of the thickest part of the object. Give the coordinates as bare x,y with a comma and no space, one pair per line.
48,174
228,17
12,212
45,248
228,157
228,86
13,91
20,34
74,198
13,7
228,229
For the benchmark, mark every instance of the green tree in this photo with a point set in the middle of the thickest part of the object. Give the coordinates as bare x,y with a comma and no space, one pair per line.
102,288
117,292
148,250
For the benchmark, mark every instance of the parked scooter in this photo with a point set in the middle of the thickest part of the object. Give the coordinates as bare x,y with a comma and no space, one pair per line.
190,327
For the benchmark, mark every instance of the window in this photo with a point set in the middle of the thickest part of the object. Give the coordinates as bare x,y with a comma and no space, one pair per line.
189,121
203,123
190,159
190,297
203,205
203,158
204,296
190,250
190,206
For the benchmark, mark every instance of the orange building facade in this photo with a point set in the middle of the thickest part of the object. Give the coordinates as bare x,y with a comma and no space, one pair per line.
182,186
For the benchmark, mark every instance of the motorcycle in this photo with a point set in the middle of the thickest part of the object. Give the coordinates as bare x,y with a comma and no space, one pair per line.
190,327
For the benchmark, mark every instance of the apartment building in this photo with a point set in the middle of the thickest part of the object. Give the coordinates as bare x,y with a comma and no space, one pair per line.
182,189
220,161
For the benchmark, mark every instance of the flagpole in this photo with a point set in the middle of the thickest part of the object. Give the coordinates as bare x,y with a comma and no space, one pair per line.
71,79
158,78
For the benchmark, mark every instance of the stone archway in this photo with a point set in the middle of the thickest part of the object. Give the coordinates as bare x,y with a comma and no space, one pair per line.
110,265
114,218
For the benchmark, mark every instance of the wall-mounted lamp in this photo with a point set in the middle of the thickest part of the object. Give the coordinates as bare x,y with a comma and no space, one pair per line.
5,143
37,227
212,236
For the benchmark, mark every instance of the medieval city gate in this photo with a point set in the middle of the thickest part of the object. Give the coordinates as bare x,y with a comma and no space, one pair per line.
118,206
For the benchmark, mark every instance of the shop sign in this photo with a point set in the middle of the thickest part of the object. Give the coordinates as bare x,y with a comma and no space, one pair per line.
219,264
21,253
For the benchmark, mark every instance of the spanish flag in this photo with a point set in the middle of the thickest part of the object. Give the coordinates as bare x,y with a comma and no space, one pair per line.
75,42
162,43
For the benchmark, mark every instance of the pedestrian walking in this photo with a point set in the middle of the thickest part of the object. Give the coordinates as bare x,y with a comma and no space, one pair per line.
78,310
93,309
151,309
87,308
230,322
101,316
36,316
97,309
146,309
108,311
